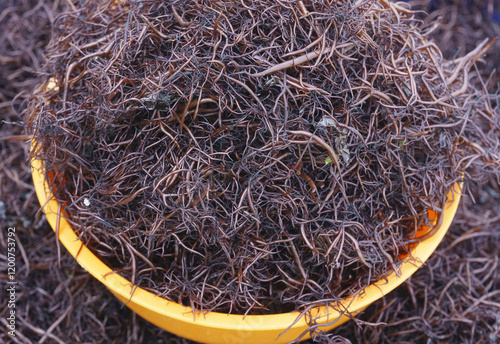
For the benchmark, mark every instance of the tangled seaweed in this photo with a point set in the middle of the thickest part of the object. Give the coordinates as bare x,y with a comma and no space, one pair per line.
256,157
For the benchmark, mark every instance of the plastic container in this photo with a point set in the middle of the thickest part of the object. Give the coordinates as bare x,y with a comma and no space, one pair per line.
218,327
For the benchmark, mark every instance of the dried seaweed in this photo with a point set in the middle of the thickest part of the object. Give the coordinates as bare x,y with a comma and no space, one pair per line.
256,158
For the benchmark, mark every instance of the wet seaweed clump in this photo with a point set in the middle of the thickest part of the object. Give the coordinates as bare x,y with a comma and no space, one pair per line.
256,157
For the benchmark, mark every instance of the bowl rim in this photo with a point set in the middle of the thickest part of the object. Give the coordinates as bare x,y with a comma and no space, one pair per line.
123,289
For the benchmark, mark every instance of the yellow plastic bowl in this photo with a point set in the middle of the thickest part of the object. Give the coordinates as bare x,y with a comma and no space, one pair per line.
218,327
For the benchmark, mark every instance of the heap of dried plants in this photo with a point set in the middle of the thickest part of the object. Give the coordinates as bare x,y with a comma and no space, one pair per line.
256,157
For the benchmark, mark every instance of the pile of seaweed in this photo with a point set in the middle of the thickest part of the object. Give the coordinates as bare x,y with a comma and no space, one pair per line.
256,157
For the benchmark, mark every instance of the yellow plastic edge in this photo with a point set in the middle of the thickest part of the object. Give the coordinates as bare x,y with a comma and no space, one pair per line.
216,327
